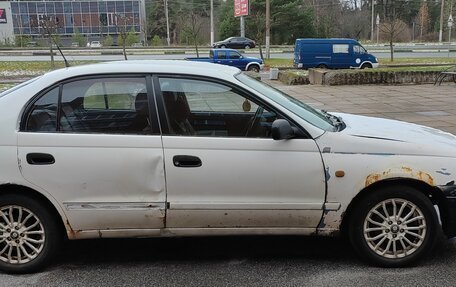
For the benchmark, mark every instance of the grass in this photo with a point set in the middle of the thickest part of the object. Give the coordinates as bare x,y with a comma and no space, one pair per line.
4,87
274,63
37,65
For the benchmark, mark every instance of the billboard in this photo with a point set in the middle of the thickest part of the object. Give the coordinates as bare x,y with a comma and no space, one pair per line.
2,15
241,8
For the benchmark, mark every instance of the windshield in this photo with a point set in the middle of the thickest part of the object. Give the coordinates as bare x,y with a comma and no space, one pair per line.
10,90
307,113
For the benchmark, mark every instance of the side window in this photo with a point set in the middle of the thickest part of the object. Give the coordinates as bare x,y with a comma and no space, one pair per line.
356,49
234,55
43,114
202,108
105,105
222,55
340,48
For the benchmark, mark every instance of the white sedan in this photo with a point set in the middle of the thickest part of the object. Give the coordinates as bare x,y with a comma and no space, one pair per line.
176,148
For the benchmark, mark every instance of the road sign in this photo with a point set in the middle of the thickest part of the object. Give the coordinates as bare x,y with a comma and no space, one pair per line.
2,15
241,8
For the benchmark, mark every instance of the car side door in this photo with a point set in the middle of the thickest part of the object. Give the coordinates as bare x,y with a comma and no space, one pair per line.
236,60
94,144
224,170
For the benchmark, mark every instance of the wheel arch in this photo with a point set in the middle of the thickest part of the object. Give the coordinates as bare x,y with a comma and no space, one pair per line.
252,64
43,199
434,194
366,62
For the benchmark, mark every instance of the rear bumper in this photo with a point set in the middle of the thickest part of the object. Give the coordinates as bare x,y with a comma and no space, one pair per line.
447,207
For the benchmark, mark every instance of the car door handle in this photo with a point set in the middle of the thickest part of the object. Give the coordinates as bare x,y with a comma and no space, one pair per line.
187,161
40,158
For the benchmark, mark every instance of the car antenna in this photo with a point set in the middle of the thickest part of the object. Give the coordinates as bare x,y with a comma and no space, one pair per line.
61,53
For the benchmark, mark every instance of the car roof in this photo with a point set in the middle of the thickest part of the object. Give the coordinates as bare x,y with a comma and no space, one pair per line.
144,66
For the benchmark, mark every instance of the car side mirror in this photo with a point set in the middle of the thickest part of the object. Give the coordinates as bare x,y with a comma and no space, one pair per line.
282,130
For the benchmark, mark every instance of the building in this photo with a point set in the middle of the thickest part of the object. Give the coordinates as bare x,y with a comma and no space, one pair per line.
93,19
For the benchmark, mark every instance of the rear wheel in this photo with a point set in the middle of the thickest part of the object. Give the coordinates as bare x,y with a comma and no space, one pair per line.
29,235
322,66
247,47
254,68
223,46
394,226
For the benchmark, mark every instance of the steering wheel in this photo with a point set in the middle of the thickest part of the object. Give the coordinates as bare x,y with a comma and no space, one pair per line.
255,120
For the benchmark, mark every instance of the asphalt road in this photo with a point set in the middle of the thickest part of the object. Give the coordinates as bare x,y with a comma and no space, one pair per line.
232,261
380,55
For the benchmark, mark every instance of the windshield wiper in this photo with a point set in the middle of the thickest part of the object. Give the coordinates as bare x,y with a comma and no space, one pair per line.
337,122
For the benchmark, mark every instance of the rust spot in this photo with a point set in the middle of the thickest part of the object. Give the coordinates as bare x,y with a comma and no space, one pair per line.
372,178
407,169
420,175
425,177
71,233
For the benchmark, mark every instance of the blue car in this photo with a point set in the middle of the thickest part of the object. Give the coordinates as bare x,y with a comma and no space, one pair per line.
233,58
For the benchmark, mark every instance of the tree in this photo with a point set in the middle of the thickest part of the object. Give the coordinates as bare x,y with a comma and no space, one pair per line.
131,38
192,29
423,18
78,37
49,26
121,26
392,25
107,41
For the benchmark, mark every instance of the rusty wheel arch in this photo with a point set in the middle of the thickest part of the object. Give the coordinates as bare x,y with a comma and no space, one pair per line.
19,189
433,193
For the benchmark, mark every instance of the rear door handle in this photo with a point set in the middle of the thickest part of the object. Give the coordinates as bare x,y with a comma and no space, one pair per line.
187,161
40,158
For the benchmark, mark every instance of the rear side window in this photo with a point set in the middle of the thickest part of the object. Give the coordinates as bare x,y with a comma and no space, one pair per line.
222,55
102,105
340,48
43,114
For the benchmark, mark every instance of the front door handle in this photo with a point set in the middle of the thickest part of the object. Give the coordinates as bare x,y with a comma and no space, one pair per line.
187,161
40,158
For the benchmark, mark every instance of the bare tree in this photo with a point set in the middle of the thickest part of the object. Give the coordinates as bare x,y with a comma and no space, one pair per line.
121,26
392,26
49,25
192,28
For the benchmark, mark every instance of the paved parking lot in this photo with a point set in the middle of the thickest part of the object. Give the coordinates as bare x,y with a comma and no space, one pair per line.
266,261
430,105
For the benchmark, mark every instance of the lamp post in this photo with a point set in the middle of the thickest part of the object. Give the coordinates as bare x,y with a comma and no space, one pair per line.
450,25
377,22
212,22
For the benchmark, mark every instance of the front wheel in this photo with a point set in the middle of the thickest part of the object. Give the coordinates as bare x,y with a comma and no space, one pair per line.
29,235
254,68
366,66
394,226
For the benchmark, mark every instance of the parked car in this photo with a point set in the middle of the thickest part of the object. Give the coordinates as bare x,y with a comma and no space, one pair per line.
86,151
95,44
235,43
332,54
233,58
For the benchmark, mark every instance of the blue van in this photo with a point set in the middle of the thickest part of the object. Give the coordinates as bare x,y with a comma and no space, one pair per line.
332,54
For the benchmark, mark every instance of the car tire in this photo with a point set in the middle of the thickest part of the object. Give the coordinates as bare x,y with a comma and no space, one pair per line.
222,46
366,66
322,66
254,68
31,235
394,226
247,47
